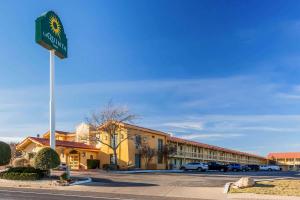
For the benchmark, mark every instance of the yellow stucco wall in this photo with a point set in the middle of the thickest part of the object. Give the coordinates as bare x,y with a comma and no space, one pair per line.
127,150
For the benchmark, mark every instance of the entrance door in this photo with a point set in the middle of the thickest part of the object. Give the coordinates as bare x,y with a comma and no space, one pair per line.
137,161
74,161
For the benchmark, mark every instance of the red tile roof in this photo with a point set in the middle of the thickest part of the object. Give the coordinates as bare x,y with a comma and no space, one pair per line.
175,139
284,155
60,132
60,143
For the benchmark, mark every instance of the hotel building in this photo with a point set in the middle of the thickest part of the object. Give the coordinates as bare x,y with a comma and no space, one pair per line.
75,152
287,160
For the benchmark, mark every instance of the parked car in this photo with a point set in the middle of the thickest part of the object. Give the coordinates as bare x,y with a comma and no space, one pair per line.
234,167
217,166
245,168
270,168
253,167
195,166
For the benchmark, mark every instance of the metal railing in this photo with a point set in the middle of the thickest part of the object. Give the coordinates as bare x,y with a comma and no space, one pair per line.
209,157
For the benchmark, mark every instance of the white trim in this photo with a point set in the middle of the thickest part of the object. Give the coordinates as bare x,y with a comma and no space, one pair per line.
89,180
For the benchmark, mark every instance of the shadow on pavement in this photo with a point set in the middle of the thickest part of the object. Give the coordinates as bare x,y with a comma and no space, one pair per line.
263,185
109,183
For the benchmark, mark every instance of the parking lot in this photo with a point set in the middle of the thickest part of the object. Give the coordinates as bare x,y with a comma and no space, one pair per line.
185,179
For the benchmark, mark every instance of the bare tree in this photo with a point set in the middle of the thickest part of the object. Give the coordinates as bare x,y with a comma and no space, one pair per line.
168,151
108,121
14,152
147,153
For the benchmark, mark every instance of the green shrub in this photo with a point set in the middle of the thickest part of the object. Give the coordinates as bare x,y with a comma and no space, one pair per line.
41,173
46,159
5,153
64,176
93,164
21,162
30,155
19,176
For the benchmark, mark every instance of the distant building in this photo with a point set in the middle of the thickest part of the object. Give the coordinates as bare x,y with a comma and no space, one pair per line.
286,160
76,152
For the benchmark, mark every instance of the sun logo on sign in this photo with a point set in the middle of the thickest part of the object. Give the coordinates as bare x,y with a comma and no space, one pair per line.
55,25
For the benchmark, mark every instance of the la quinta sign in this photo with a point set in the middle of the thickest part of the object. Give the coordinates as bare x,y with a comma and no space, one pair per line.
49,33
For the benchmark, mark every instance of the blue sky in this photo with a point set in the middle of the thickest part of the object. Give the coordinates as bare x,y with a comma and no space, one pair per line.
221,72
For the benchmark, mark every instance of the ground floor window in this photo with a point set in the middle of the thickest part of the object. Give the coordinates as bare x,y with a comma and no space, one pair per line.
112,159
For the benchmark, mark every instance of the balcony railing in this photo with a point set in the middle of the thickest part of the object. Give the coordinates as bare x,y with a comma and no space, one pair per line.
208,157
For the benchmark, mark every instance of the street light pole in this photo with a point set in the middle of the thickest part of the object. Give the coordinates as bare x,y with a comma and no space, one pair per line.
52,100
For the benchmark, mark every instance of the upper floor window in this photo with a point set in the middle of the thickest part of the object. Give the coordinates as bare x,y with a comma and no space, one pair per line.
138,141
160,145
160,151
114,141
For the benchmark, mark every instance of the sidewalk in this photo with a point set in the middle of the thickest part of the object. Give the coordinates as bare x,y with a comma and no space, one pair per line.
162,191
207,193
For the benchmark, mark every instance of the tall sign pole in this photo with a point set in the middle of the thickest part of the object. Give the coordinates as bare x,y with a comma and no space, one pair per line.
52,100
50,34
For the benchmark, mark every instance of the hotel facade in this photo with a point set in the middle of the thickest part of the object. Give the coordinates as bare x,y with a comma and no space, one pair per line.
75,152
288,161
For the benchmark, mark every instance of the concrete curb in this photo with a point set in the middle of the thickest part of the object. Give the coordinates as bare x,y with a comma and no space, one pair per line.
227,187
89,180
147,171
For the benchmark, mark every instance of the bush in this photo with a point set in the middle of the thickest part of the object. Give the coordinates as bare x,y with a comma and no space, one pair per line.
64,176
30,155
23,173
24,170
5,153
93,164
110,167
46,159
21,162
19,176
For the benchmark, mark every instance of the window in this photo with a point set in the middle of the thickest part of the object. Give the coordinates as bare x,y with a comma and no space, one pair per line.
112,159
160,151
138,141
160,145
114,141
91,157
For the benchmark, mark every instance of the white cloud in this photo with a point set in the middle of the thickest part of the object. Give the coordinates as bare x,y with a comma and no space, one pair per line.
247,106
211,136
11,139
185,125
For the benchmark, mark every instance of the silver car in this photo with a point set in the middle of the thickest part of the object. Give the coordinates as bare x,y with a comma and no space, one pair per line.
269,168
195,166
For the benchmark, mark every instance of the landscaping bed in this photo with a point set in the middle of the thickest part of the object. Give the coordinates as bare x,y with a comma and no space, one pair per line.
23,173
275,187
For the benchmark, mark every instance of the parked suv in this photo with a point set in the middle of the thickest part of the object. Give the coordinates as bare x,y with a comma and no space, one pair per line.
217,166
234,167
269,168
253,167
195,166
245,168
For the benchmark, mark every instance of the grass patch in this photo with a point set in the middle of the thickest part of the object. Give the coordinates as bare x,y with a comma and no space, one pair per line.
276,187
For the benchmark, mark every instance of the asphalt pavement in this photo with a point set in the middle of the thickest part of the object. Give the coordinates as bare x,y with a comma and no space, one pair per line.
42,194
